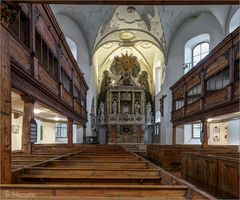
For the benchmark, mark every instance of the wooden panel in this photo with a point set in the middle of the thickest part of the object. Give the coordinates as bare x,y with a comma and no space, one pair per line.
77,106
193,108
228,177
65,65
46,30
178,113
236,91
178,93
66,97
216,66
47,80
192,81
218,174
217,98
20,54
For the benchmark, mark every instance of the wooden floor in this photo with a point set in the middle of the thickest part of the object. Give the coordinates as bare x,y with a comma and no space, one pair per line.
95,172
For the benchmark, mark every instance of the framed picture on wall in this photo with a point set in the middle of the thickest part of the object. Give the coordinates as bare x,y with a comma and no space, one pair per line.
216,133
15,129
226,132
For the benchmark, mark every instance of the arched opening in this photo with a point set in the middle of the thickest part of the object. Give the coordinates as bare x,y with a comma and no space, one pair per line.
195,49
235,21
73,47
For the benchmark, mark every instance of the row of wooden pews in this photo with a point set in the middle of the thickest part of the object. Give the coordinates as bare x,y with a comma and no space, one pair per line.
98,172
214,169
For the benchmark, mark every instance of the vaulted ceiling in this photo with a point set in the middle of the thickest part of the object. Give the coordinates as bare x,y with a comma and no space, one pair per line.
91,17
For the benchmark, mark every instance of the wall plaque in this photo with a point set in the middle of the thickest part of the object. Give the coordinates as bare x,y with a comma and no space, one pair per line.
33,131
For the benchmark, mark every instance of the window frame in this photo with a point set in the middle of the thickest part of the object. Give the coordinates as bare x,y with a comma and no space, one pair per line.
61,128
17,35
200,129
199,44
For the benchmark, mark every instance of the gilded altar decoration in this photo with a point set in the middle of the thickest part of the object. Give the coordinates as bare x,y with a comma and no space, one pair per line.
125,101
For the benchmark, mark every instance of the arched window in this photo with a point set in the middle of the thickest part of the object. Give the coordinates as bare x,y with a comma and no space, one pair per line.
199,52
195,49
73,47
157,117
235,21
158,79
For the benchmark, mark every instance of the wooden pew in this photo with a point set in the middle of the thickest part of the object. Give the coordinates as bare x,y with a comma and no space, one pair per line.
218,174
93,173
97,191
168,156
100,164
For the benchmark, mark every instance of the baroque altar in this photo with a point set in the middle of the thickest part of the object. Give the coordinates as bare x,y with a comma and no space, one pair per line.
124,112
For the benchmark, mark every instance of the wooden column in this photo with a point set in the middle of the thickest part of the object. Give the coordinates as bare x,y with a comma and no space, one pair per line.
70,132
5,116
174,135
205,134
27,117
8,15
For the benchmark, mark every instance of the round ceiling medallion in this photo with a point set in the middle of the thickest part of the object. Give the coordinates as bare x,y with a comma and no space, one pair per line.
126,36
146,45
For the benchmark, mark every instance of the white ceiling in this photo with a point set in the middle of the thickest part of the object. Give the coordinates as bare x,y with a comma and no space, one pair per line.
91,17
40,111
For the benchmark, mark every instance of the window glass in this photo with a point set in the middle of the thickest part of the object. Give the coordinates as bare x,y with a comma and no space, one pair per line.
61,130
38,45
196,130
225,77
199,52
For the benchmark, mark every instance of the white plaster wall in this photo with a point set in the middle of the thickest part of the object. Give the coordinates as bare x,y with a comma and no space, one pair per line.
17,138
234,132
180,135
204,23
79,135
188,135
71,29
48,133
230,15
74,133
39,124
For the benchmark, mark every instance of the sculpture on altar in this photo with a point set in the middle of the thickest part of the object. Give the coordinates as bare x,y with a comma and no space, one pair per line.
92,114
137,107
101,112
148,113
114,106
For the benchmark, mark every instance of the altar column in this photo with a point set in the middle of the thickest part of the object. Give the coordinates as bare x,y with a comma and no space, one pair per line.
139,134
119,101
113,134
133,99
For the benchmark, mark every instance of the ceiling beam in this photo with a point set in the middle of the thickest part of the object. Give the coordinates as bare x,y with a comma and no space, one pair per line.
137,2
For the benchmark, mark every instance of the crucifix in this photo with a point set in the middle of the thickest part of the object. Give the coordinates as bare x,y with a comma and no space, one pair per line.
162,104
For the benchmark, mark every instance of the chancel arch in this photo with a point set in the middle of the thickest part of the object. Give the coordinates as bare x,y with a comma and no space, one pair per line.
129,57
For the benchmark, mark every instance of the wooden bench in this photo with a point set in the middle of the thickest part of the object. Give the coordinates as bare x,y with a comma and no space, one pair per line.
100,165
218,174
97,174
98,191
168,156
